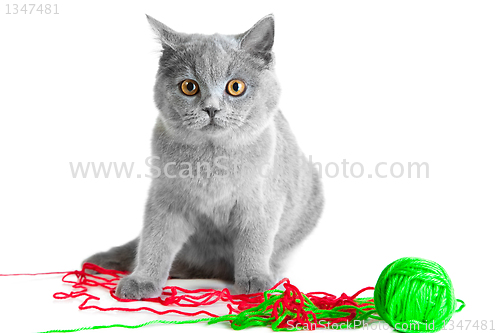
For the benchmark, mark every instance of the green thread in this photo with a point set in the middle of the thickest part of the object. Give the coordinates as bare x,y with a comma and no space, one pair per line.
261,314
191,321
415,295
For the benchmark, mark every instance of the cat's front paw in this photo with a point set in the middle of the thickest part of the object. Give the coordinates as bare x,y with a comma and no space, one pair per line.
133,287
253,284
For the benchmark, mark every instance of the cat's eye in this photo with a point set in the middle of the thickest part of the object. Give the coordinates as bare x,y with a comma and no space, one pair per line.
235,87
189,87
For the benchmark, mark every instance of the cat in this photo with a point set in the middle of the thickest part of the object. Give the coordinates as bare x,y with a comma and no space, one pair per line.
254,199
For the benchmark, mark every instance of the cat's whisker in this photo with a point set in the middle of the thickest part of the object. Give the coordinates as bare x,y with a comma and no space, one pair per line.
232,120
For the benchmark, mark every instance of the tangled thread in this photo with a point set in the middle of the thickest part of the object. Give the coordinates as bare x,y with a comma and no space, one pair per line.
287,309
411,295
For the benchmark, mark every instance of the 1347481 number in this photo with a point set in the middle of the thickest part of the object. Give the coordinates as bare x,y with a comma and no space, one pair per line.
31,8
470,325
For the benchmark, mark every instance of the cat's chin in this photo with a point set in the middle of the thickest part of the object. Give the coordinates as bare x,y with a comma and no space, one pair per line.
213,128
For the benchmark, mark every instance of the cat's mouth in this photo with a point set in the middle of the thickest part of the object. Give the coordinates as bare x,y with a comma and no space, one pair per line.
204,123
208,124
213,124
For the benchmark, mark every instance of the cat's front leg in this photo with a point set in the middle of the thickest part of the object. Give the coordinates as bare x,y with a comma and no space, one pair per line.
163,234
254,247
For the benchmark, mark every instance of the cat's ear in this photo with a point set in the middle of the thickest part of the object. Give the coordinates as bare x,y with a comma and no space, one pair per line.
168,37
260,37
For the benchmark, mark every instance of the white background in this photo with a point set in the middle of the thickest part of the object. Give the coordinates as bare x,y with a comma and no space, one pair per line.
365,81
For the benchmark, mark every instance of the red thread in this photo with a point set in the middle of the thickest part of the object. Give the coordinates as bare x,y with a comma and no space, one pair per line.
292,300
171,295
33,274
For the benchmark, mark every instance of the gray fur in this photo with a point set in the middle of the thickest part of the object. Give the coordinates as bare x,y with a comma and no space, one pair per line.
234,222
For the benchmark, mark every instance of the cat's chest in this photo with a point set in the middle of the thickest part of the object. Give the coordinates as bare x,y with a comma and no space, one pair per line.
206,174
209,176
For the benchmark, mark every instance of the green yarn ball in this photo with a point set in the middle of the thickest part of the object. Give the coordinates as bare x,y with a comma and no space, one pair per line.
415,295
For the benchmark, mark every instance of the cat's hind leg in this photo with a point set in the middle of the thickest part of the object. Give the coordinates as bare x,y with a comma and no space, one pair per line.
120,258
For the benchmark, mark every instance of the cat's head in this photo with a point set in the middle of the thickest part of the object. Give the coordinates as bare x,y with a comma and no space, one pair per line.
216,85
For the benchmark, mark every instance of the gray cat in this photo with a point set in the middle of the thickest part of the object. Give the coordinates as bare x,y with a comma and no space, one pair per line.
234,193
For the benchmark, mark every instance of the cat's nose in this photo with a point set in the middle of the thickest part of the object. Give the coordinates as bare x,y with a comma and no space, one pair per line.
211,110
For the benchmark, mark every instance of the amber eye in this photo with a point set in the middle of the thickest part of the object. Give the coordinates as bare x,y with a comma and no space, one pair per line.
189,87
235,87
